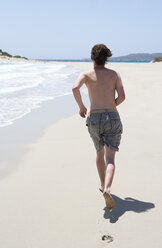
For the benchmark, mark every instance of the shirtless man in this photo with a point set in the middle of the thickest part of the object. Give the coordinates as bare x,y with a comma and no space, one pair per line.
103,121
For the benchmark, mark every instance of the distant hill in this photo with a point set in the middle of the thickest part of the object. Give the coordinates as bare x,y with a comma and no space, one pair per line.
136,57
133,57
5,54
157,59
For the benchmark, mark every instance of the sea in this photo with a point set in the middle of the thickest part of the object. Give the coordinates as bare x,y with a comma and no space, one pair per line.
25,85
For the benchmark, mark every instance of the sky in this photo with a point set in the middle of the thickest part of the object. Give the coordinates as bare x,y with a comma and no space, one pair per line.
68,29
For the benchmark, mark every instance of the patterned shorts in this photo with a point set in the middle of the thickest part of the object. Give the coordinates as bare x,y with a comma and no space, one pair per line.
105,127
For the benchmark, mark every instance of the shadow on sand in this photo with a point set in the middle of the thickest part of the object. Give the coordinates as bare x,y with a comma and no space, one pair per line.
128,204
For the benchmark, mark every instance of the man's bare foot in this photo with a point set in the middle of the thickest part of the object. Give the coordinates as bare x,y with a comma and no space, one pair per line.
109,200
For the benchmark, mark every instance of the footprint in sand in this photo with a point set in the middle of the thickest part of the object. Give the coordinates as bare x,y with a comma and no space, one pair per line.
107,238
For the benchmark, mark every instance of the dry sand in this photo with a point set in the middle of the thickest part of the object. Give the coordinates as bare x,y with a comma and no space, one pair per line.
52,199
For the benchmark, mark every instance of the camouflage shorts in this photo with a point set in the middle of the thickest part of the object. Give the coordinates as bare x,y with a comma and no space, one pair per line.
105,127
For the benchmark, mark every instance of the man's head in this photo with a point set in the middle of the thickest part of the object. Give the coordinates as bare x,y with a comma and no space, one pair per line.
100,54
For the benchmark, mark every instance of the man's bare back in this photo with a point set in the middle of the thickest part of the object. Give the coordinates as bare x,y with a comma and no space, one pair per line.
101,84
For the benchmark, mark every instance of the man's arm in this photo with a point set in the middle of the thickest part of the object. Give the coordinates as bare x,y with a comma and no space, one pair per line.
120,90
76,92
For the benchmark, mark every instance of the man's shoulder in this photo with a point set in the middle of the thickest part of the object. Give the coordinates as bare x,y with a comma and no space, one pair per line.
113,72
88,72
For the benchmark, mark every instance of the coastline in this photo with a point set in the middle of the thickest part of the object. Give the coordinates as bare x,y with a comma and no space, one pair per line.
12,59
25,130
53,187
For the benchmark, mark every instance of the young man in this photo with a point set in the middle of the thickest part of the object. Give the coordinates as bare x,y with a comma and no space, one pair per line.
103,121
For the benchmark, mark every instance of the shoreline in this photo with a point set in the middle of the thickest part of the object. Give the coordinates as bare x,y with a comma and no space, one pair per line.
12,59
51,197
26,130
33,119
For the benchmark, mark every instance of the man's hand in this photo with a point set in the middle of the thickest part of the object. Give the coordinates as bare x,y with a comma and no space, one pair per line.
120,90
78,83
83,111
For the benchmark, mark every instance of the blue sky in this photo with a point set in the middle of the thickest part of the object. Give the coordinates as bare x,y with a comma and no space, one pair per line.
68,29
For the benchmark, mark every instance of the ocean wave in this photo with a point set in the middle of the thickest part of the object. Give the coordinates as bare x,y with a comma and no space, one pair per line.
23,86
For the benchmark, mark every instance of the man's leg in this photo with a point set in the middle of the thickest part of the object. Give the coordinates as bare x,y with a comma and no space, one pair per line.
110,168
109,173
101,167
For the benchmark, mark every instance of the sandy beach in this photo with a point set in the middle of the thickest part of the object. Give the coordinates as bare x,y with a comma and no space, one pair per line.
49,190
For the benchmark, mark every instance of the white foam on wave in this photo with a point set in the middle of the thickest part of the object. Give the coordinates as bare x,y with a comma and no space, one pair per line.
23,86
18,88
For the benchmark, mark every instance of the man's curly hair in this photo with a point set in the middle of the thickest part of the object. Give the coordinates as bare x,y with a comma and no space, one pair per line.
100,53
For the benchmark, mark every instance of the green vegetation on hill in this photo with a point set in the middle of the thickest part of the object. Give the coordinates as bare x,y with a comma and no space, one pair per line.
157,59
5,54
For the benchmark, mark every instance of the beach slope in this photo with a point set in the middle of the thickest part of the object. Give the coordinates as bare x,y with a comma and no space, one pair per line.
52,198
